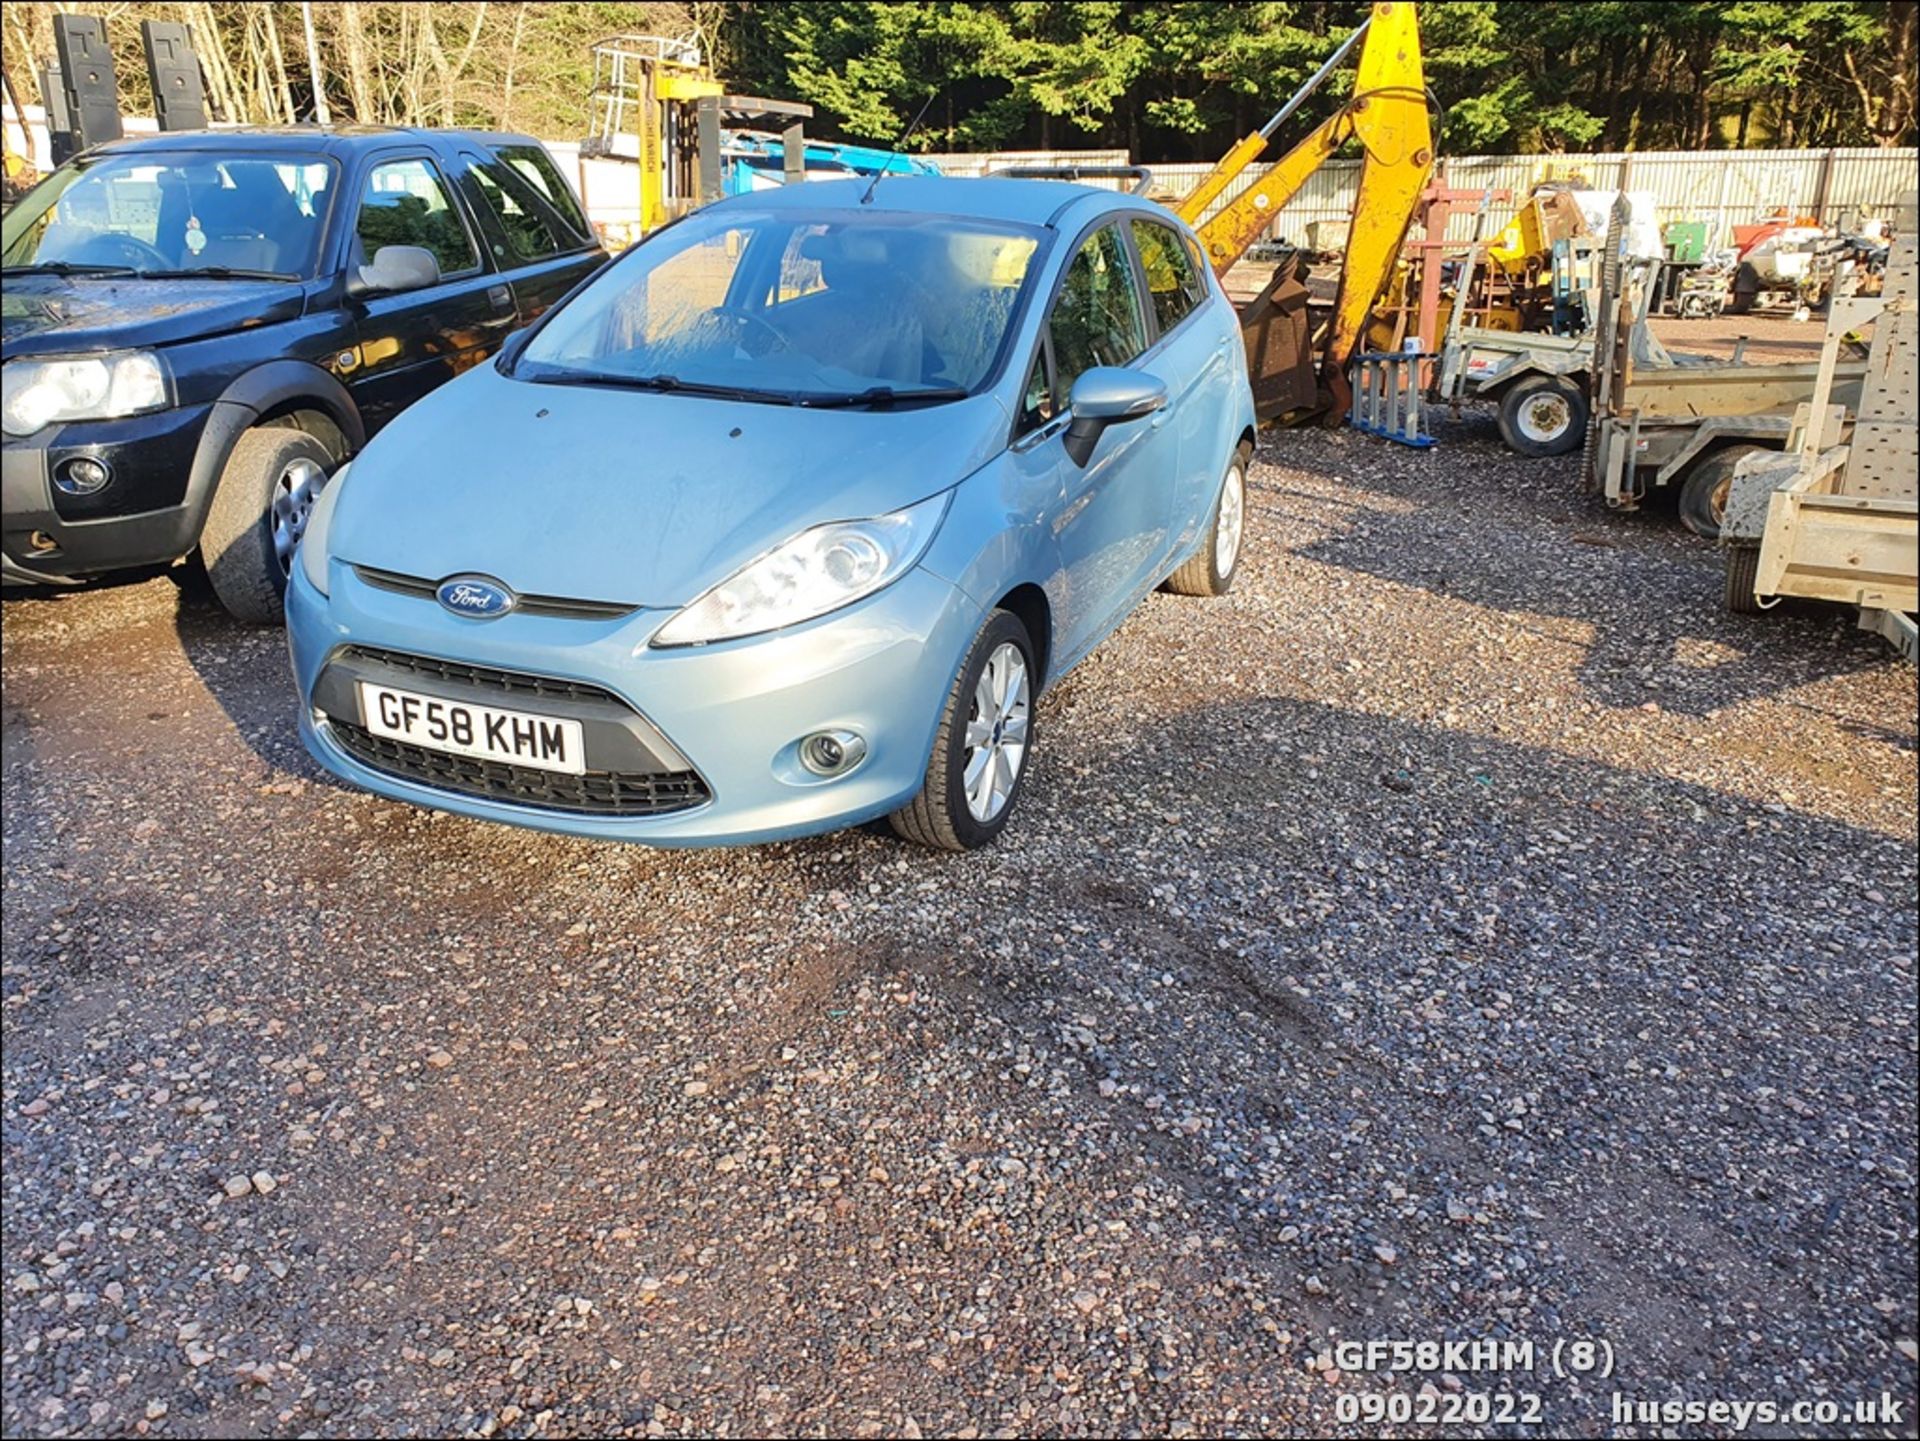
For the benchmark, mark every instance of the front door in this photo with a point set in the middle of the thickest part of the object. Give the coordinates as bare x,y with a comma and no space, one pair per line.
419,339
1114,510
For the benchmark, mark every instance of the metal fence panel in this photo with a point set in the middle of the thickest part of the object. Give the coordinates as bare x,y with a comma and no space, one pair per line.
1724,187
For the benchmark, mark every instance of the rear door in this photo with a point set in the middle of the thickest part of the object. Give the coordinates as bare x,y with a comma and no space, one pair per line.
1193,355
416,340
534,226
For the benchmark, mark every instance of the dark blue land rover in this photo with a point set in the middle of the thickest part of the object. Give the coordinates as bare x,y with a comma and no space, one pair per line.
200,327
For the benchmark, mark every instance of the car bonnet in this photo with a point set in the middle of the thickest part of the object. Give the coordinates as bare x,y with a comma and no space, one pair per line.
633,497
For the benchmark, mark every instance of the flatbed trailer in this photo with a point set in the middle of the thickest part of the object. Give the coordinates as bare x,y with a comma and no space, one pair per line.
1837,516
1661,422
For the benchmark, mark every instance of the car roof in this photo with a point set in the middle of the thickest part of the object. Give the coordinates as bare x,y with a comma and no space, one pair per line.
306,139
1026,202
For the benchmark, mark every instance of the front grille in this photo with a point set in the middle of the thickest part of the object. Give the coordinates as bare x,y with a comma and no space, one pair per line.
607,793
564,607
502,682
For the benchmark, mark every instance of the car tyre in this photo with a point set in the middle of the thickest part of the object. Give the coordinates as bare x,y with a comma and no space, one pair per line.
1209,571
266,492
948,814
1543,415
1743,573
1703,495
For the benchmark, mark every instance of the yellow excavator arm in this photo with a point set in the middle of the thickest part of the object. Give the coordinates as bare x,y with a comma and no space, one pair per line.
1387,114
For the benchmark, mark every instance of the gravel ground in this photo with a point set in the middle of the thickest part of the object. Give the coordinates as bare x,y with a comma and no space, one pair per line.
1465,929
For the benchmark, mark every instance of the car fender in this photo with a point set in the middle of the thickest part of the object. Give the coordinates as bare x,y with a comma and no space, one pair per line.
998,533
273,386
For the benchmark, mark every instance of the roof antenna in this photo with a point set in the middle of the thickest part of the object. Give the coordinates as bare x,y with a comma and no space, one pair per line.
905,136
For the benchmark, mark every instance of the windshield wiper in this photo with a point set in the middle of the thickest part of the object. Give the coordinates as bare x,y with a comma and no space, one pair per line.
215,272
67,267
671,383
883,395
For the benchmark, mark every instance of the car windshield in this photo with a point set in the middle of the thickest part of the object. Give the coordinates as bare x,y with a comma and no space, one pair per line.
801,306
202,212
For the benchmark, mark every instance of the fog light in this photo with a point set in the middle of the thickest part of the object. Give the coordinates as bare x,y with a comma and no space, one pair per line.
832,753
41,542
82,475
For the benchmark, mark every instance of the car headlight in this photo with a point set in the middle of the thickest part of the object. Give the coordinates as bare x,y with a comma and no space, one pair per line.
819,570
37,393
312,552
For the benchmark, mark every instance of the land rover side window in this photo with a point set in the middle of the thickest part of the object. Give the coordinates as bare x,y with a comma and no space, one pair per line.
406,203
1172,285
533,231
1097,318
536,167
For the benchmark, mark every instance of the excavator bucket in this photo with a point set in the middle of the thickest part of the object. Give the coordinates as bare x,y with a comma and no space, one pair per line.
1279,338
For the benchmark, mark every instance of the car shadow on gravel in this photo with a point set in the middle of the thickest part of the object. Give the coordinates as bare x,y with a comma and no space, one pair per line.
245,669
1496,530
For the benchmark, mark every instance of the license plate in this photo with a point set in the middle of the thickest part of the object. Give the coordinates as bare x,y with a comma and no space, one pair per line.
484,732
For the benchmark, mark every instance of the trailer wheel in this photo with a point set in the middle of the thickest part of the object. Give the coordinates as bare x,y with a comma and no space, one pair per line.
1746,289
1703,495
1743,571
1543,415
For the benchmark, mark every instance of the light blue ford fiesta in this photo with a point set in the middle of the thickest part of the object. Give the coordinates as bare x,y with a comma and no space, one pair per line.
784,520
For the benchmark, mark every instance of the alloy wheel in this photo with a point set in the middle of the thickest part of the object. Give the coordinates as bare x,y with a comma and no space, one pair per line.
1233,518
996,741
294,492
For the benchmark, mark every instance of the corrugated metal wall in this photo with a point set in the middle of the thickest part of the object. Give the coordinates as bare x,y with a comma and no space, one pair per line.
1723,187
980,164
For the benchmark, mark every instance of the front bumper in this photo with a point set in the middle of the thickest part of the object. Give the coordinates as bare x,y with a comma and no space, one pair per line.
143,517
734,711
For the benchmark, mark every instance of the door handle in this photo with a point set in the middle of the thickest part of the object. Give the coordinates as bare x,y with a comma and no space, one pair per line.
499,295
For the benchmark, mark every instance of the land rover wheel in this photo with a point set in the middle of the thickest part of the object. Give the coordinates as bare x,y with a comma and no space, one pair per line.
259,512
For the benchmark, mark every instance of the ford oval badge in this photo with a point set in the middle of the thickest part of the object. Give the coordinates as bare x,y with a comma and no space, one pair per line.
476,596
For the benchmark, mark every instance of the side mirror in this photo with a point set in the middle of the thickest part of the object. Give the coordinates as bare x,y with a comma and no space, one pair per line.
396,268
1108,395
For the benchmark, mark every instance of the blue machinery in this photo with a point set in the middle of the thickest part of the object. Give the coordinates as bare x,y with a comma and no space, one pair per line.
1386,396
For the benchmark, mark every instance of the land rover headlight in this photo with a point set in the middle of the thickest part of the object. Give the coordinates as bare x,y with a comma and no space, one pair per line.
38,393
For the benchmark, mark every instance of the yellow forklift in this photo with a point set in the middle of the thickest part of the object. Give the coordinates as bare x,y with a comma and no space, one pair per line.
657,105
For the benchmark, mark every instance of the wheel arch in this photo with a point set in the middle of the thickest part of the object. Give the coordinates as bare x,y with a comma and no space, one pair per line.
1028,604
1711,439
295,393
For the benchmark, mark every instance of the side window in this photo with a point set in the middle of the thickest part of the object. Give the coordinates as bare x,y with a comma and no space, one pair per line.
536,168
1172,285
1097,319
532,234
406,203
1199,266
1036,401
